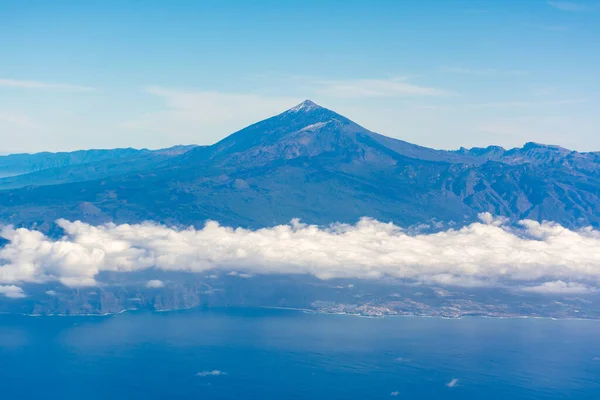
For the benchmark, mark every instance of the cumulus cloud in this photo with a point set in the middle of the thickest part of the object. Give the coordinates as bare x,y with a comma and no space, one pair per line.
394,394
12,291
489,252
214,372
155,284
51,293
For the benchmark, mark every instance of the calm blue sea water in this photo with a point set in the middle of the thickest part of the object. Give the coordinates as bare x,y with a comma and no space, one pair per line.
279,354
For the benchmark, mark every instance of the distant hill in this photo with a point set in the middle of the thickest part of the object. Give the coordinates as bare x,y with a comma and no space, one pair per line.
312,163
19,170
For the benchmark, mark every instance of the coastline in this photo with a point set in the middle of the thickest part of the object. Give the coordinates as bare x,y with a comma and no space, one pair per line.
301,310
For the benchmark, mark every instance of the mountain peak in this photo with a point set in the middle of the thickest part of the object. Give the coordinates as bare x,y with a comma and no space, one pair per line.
305,106
534,145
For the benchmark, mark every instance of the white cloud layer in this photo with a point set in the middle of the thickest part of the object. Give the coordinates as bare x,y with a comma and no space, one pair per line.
537,257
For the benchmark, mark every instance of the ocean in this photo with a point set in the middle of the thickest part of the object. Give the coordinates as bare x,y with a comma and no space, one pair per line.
242,353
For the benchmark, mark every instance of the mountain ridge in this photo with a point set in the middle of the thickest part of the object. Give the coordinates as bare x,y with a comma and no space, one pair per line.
312,163
53,168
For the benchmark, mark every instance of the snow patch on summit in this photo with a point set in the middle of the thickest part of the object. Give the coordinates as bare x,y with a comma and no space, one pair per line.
305,106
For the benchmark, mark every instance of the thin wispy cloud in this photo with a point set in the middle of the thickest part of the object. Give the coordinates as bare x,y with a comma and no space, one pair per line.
507,130
365,88
26,84
574,6
217,114
501,104
524,103
554,28
211,106
482,71
16,119
212,114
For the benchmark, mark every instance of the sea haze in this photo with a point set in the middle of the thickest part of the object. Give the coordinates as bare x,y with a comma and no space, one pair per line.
273,354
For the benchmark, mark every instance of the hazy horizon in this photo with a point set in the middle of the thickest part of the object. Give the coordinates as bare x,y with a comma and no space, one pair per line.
2,153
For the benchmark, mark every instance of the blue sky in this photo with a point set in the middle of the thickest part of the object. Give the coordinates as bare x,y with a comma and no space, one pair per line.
438,73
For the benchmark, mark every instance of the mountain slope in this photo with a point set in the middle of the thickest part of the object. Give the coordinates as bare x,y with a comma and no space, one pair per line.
314,164
308,130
